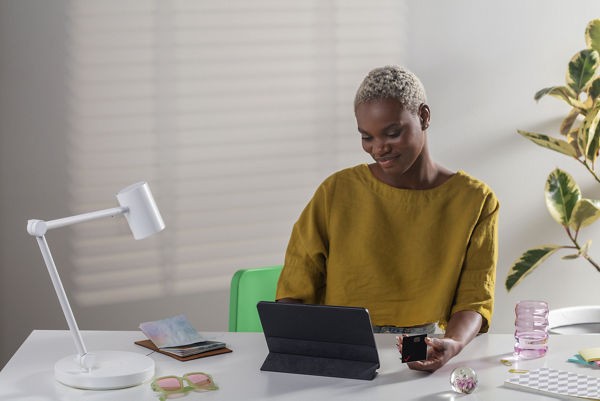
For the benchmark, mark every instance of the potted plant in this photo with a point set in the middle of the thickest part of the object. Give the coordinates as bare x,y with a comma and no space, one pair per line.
580,140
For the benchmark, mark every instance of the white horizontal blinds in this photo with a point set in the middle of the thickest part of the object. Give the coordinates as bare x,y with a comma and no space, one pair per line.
368,34
113,143
233,111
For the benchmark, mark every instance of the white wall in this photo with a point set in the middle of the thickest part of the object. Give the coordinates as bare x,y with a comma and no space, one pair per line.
481,63
32,160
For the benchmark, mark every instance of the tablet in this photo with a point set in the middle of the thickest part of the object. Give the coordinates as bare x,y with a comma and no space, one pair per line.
322,340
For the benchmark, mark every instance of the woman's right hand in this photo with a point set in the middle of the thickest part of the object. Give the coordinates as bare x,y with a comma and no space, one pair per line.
439,351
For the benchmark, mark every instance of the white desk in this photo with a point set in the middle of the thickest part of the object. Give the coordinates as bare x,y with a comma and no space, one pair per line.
29,374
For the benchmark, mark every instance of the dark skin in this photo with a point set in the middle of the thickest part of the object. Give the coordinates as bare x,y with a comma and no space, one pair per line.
396,139
462,327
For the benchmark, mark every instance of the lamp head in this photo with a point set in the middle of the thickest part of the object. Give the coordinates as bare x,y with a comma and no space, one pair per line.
143,216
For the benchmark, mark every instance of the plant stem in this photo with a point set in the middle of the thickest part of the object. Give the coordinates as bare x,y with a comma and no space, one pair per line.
574,240
587,166
585,255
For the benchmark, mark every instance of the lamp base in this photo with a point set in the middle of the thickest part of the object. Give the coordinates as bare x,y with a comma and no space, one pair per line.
111,370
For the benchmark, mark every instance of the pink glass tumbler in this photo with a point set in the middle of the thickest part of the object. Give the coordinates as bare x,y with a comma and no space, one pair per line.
531,329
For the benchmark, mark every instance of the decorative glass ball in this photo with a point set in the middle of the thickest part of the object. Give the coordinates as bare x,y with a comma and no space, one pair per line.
463,380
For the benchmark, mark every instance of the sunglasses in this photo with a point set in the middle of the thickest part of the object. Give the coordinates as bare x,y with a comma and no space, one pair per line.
196,381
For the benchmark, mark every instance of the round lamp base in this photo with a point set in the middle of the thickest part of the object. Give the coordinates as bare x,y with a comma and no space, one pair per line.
110,370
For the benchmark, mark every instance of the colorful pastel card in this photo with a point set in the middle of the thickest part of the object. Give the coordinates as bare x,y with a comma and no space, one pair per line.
414,348
171,332
579,359
590,354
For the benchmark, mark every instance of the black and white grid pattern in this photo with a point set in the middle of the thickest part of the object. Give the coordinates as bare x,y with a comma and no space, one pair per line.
559,382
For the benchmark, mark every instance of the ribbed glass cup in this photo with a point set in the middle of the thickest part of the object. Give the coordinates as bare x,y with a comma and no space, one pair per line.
531,329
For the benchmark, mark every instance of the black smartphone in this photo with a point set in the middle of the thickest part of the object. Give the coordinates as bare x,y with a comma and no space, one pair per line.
414,348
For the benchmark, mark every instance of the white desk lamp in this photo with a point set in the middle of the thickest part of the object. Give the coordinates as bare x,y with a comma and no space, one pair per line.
102,369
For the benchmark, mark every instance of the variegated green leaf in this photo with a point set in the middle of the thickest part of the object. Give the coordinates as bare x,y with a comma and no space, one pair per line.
572,138
586,247
592,35
563,93
527,262
567,123
558,145
588,138
572,256
582,69
588,102
560,92
582,140
585,212
562,194
594,141
594,89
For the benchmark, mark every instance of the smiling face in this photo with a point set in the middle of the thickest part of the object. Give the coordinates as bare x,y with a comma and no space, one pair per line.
392,135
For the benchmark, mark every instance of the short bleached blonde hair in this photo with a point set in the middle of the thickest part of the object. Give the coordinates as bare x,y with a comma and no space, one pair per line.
391,82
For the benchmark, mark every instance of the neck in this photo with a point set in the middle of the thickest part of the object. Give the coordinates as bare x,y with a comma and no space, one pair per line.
423,174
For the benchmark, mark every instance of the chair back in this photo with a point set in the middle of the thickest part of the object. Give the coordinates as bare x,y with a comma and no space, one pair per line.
248,287
575,320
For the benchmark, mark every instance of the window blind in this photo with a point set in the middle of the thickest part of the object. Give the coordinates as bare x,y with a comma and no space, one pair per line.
233,111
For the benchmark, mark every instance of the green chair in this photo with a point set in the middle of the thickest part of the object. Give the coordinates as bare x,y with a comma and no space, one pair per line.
248,287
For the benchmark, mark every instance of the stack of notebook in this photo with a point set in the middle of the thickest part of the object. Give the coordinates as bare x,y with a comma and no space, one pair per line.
176,337
588,356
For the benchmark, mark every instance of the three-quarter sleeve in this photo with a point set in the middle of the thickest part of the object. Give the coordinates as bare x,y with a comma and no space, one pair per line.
303,274
475,290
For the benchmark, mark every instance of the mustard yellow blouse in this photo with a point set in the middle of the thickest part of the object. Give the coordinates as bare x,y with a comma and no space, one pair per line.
410,257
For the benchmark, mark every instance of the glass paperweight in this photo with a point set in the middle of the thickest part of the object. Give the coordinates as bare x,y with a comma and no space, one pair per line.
463,380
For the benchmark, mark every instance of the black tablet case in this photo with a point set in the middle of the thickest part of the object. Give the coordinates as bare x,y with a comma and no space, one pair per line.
319,340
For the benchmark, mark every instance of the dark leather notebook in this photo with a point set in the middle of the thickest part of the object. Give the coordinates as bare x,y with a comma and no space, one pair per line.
319,340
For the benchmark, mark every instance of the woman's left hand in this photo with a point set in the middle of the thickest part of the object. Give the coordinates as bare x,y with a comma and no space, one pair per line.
439,352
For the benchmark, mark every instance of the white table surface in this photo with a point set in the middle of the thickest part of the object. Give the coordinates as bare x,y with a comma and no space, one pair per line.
29,373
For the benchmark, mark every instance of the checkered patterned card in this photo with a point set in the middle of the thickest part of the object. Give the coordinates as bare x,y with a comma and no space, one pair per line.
559,382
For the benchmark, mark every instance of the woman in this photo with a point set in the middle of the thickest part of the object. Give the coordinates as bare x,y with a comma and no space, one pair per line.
404,237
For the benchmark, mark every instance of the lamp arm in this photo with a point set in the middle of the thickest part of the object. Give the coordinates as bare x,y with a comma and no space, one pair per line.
39,227
62,296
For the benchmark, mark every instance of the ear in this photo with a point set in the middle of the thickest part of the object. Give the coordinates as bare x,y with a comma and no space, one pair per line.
424,115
